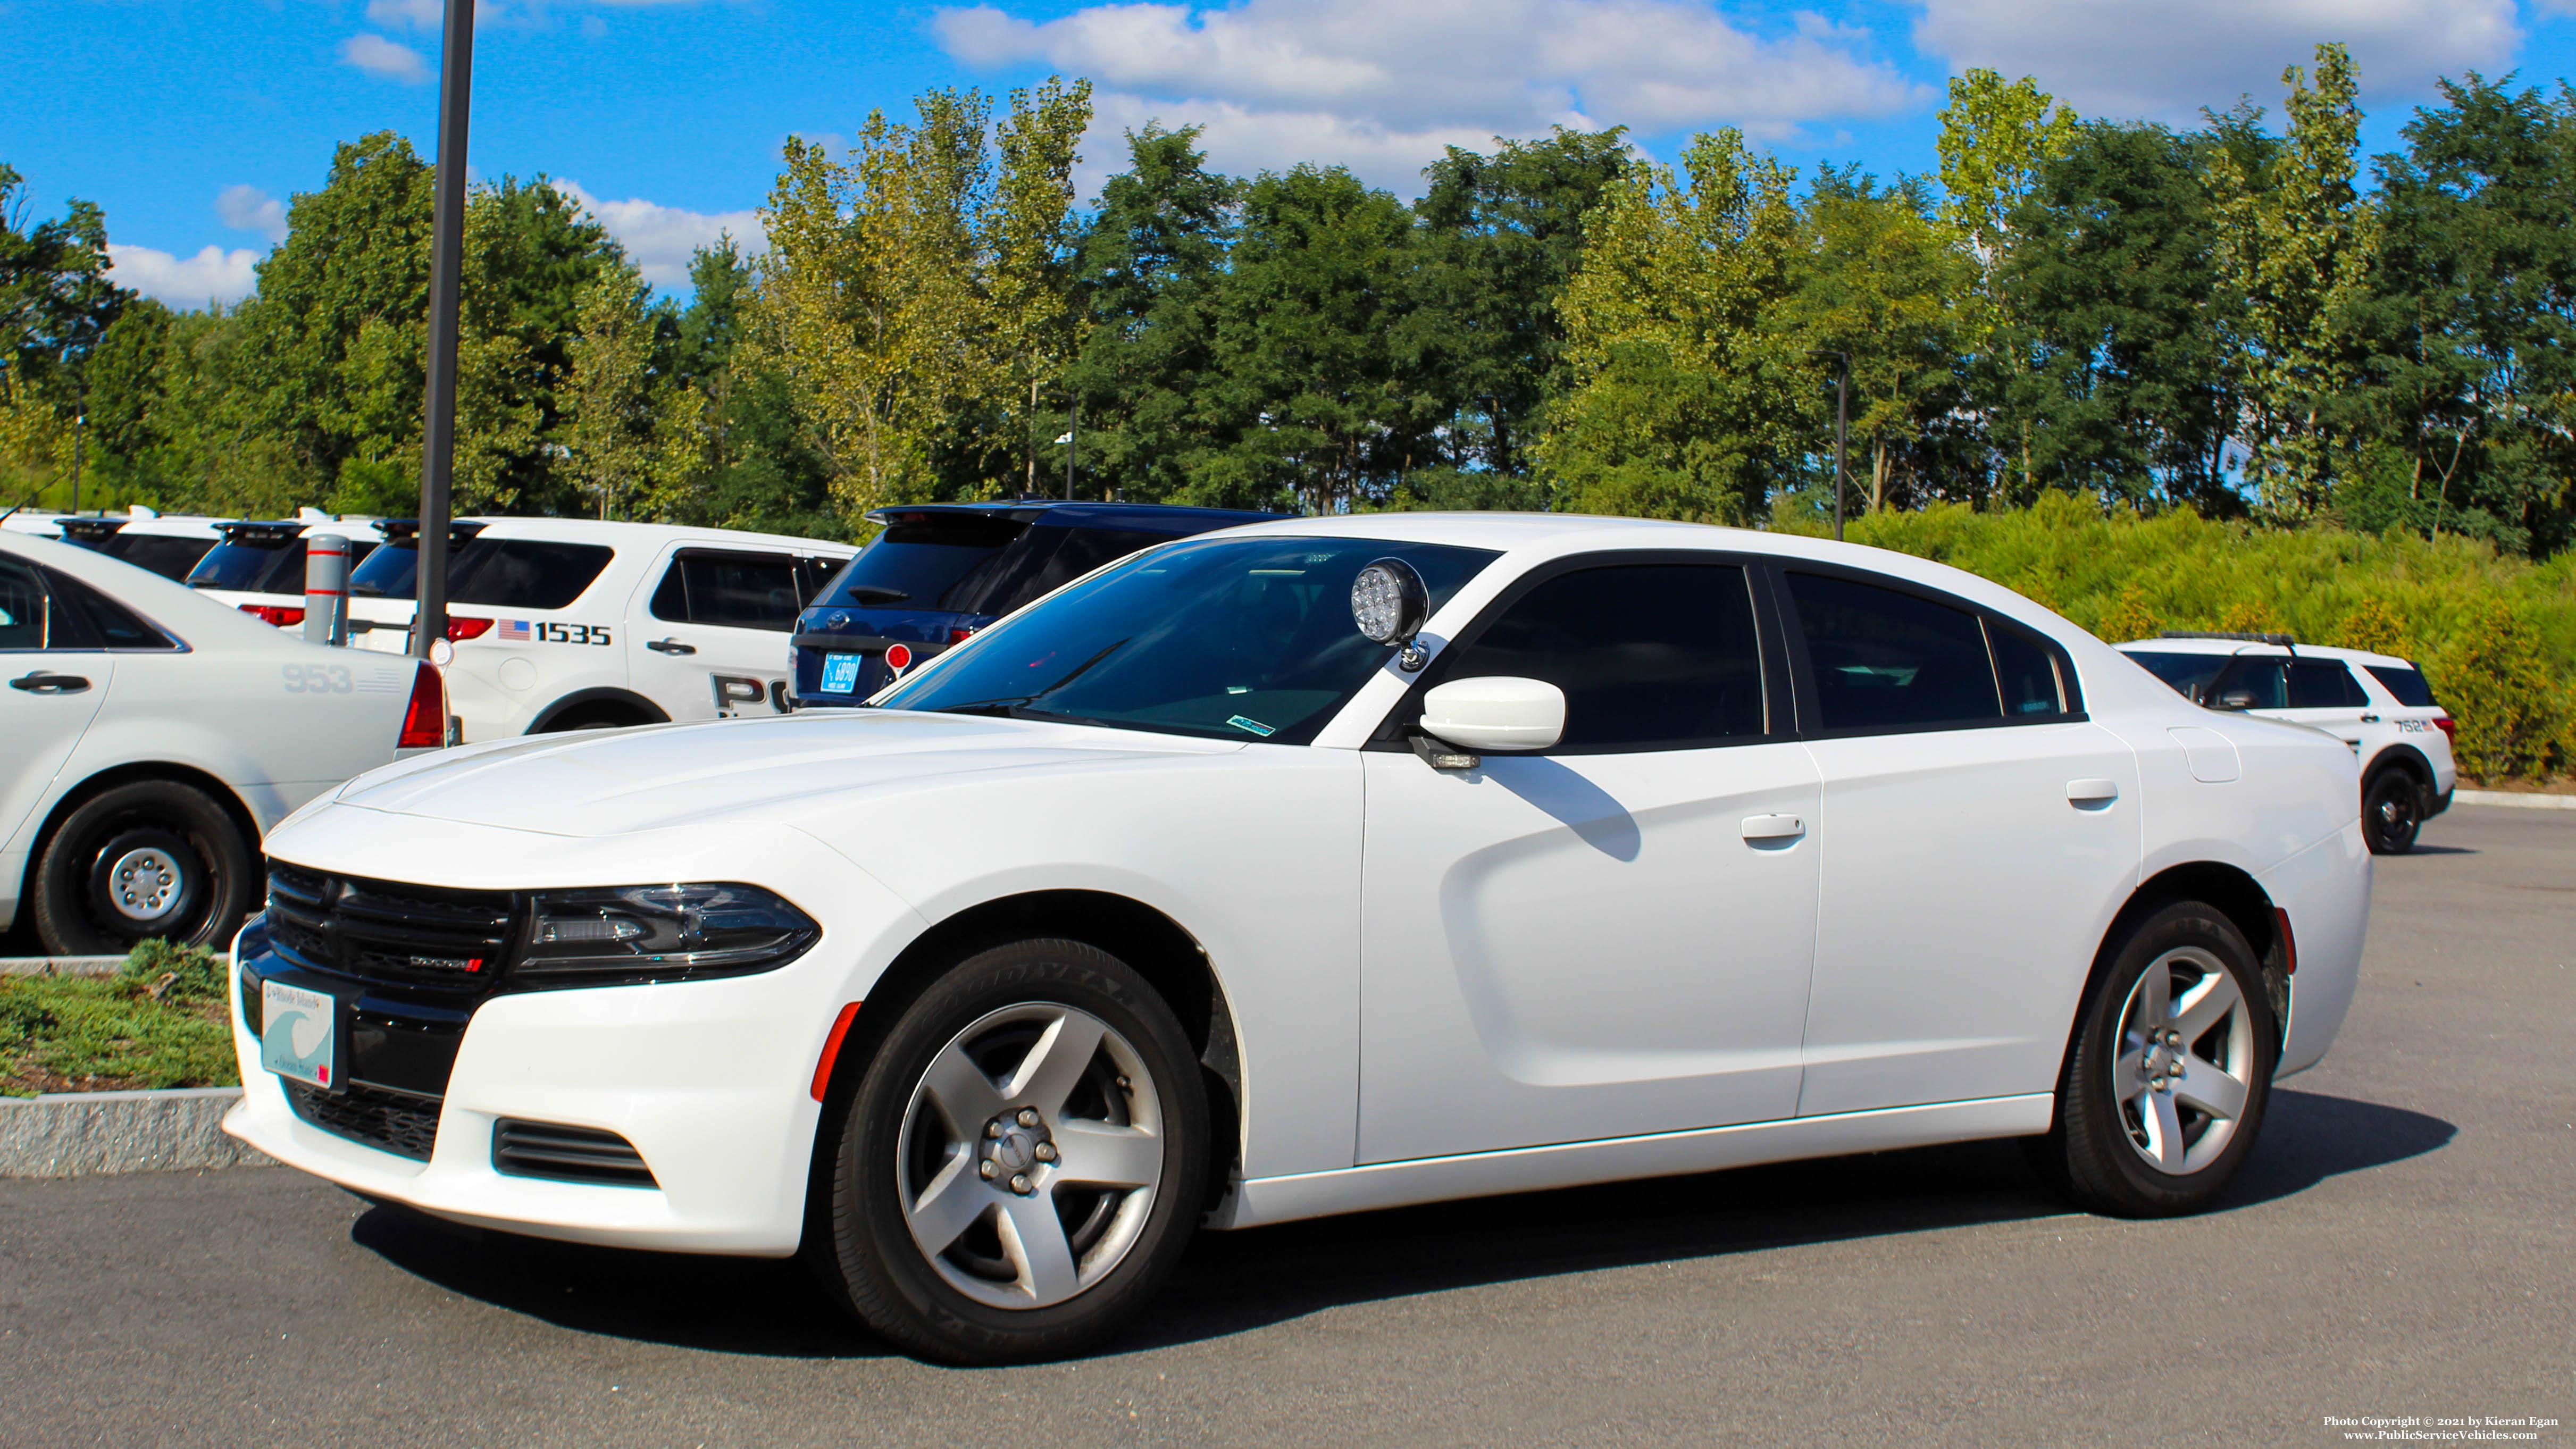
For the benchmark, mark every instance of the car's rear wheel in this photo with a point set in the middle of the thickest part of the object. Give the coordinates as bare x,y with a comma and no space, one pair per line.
2171,1070
152,858
2392,811
1022,1161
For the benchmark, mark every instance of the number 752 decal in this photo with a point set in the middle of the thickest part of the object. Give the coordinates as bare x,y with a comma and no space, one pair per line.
551,633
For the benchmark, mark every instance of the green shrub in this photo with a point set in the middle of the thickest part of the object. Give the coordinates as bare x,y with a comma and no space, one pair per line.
195,973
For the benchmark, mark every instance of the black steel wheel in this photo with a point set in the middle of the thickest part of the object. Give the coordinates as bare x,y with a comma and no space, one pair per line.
154,858
2392,811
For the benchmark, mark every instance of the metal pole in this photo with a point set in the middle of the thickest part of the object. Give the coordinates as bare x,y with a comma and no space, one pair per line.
446,272
80,435
326,588
1842,414
1072,442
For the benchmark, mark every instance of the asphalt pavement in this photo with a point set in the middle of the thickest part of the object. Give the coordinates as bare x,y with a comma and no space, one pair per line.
2401,1245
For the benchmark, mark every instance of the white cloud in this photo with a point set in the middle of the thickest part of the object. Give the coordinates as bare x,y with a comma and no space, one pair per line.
659,238
247,208
1382,85
418,14
2166,59
212,275
384,59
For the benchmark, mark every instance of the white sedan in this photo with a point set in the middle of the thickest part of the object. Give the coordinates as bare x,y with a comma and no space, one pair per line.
1307,868
149,735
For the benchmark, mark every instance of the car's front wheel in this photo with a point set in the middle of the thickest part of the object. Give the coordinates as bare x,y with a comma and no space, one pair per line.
2392,811
140,860
2171,1069
1023,1159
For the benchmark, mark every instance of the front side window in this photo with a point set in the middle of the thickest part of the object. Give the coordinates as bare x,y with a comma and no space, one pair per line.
1243,639
2251,684
730,590
1650,656
2324,684
1884,659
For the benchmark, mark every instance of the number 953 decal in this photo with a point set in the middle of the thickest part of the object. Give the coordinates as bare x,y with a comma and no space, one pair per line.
317,678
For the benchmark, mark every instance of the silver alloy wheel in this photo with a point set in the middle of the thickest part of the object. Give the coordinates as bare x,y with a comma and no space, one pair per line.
1030,1156
2186,1052
143,882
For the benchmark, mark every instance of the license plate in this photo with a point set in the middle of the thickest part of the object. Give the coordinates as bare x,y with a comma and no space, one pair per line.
841,672
299,1034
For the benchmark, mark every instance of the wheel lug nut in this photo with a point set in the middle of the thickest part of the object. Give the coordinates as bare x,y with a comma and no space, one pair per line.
1028,1116
1020,1183
2173,1038
1046,1152
988,1168
993,1129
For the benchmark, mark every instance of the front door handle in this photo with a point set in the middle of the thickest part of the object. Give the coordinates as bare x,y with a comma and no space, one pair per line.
1773,827
2081,793
671,646
2370,719
43,683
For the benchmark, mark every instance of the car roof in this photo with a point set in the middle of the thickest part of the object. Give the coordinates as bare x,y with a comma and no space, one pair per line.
631,535
1062,513
2256,648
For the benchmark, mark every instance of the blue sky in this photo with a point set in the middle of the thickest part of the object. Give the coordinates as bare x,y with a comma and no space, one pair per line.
193,123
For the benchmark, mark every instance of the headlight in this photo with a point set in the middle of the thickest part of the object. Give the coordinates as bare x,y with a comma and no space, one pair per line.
658,933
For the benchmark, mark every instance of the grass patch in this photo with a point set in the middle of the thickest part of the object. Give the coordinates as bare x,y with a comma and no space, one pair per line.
161,1021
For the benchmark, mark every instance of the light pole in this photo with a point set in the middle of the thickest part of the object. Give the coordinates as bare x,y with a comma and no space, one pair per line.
1842,415
446,272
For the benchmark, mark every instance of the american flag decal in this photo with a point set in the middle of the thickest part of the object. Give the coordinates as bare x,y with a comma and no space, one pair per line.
515,629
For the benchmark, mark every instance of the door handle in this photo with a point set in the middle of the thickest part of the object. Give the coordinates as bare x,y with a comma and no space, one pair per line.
671,646
43,683
1773,827
2091,792
2370,719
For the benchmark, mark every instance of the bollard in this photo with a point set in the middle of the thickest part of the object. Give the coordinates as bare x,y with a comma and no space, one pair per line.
326,589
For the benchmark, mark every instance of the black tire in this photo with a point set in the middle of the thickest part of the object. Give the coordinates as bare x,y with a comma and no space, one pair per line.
593,717
2392,811
153,846
979,1300
2104,1148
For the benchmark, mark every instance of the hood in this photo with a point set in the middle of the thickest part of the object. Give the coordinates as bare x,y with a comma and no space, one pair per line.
613,782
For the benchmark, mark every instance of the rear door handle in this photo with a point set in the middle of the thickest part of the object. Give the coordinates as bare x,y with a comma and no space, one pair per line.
1773,827
2091,792
671,646
43,683
2370,719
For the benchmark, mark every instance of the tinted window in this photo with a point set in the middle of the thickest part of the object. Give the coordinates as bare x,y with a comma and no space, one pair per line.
109,621
1046,560
737,590
262,568
1242,639
2027,672
1886,660
165,554
2250,684
524,573
2324,684
914,564
2189,674
1660,656
2407,684
25,615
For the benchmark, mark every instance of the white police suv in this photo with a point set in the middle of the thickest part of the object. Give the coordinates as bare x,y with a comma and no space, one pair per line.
168,545
149,737
2377,703
258,567
569,623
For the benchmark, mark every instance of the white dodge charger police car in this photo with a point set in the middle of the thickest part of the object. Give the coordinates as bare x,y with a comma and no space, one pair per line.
149,736
1305,868
567,623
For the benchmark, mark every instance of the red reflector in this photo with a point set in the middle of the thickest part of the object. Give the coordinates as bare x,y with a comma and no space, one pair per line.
424,723
276,614
2289,943
832,1048
960,636
898,658
2449,727
467,628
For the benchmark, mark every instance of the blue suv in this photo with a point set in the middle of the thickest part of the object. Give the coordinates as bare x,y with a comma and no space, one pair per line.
941,571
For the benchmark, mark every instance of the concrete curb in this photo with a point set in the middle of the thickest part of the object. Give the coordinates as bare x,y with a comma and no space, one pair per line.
2515,799
77,1134
61,965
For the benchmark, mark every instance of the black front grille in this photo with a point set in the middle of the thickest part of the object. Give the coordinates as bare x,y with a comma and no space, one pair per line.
568,1154
395,1122
414,935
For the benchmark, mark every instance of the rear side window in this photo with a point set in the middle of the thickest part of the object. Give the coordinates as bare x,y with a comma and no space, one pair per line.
2027,672
2324,684
113,624
26,615
913,565
165,554
734,590
1650,656
1883,659
1046,560
2407,684
524,573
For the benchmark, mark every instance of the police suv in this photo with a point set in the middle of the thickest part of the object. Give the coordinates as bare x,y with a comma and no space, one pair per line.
2378,703
569,623
258,568
166,545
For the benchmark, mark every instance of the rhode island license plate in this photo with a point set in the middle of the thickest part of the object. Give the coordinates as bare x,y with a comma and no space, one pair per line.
299,1034
841,672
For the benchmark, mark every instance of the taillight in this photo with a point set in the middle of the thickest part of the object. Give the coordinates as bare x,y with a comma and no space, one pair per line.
277,614
467,628
960,636
424,724
2449,727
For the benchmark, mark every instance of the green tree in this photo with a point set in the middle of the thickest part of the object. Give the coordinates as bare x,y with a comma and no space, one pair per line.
56,304
1031,240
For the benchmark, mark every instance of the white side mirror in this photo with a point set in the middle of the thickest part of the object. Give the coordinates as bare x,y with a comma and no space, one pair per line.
1498,712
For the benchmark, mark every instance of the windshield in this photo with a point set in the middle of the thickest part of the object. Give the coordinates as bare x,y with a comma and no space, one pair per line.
508,573
261,568
1242,639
